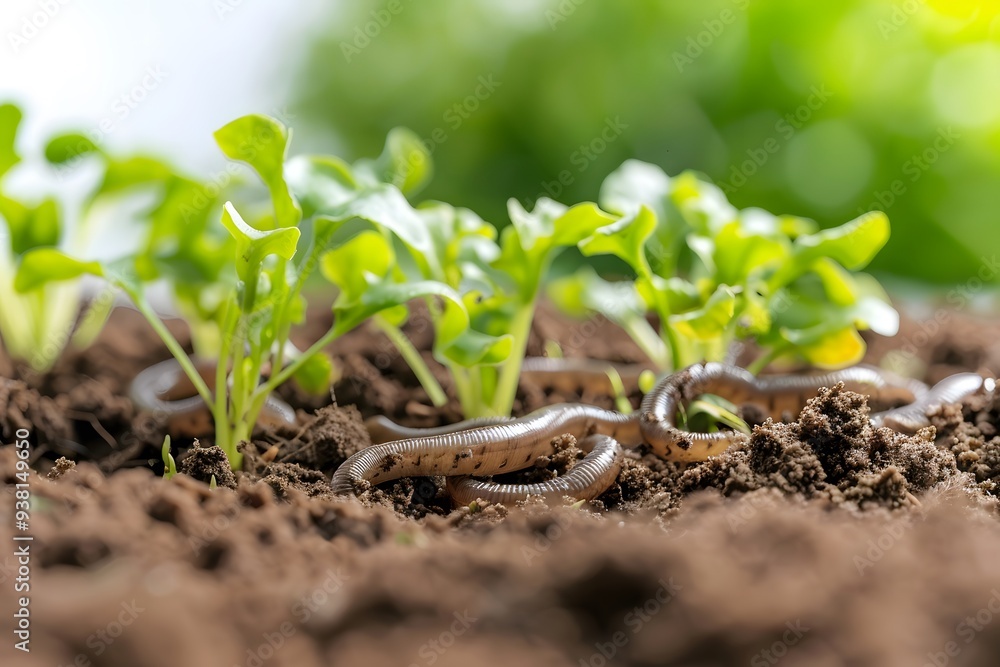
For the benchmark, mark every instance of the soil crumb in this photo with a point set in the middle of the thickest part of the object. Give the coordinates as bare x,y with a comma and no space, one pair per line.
333,435
204,463
831,451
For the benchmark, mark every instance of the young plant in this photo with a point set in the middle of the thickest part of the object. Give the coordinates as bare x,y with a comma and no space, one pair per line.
500,285
713,275
350,215
36,326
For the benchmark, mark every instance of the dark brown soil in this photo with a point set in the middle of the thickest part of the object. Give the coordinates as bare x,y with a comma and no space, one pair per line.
821,542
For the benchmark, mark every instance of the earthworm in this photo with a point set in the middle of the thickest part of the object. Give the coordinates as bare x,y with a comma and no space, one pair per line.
474,448
165,389
585,481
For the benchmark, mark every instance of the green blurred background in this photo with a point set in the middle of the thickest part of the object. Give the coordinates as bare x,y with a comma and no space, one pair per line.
819,109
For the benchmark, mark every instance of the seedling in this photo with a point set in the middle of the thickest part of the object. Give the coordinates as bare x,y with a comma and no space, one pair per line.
340,218
712,275
169,465
39,324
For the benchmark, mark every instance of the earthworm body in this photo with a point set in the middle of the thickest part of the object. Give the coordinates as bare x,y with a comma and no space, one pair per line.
491,446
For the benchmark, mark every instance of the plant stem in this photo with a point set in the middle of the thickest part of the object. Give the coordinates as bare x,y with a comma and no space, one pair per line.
510,373
414,360
168,339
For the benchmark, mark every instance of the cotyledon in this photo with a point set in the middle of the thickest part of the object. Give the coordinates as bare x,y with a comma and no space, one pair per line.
490,446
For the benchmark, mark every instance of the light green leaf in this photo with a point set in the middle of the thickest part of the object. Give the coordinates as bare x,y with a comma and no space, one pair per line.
350,265
10,118
316,374
472,348
382,295
254,245
709,321
262,142
66,147
740,253
320,182
625,238
635,184
48,265
404,163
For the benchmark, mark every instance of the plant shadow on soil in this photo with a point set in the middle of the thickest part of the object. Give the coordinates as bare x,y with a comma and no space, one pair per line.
822,542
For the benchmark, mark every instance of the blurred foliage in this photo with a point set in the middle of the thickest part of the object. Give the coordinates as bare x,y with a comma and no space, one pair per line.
823,110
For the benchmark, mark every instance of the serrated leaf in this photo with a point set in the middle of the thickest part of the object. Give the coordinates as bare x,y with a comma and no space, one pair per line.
262,142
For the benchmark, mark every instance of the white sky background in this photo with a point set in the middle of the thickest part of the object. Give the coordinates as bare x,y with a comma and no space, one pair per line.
68,64
218,59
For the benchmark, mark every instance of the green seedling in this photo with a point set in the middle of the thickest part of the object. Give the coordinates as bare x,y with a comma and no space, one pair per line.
321,213
713,275
169,465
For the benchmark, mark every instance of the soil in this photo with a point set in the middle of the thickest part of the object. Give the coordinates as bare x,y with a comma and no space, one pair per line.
820,542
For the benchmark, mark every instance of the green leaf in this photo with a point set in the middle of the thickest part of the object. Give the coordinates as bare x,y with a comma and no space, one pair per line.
254,245
31,227
48,265
739,253
625,238
383,295
836,349
64,148
635,184
350,265
133,171
709,321
528,245
404,163
262,142
852,244
320,182
472,348
10,118
316,374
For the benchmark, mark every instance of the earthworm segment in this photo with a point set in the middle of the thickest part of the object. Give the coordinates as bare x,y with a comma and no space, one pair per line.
499,445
